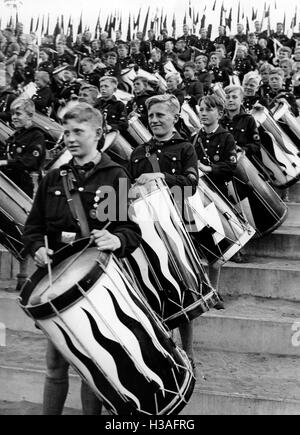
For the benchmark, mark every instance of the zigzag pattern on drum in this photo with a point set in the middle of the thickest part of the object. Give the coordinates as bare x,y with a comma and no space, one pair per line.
99,379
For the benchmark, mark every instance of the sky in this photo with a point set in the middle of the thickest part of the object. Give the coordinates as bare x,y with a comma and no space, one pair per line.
90,10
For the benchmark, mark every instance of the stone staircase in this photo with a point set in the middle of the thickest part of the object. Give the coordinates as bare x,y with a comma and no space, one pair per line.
247,355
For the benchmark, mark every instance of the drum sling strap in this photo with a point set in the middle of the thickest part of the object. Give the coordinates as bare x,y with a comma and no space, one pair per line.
74,202
153,159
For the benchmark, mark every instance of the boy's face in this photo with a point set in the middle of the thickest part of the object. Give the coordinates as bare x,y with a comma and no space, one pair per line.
122,52
265,76
81,138
189,73
250,88
39,82
233,101
282,54
111,61
171,83
87,67
208,115
161,120
214,60
86,97
19,117
287,69
200,64
275,82
107,89
138,87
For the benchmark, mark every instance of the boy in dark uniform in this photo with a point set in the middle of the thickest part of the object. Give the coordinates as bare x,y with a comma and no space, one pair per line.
177,161
241,124
25,155
89,75
51,215
113,110
191,85
43,99
217,157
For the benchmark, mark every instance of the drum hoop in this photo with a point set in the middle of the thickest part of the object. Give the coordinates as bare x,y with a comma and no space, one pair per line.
70,296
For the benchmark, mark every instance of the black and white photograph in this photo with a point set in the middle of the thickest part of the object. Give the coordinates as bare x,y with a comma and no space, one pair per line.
149,210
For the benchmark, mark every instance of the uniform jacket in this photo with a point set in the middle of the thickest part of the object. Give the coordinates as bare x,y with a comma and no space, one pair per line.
51,215
114,112
6,98
217,150
43,100
193,89
25,153
245,132
176,158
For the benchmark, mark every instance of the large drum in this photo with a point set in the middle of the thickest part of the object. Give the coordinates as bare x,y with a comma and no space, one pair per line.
5,133
52,130
15,207
190,118
218,230
101,324
255,198
59,157
166,265
280,157
138,131
117,147
288,121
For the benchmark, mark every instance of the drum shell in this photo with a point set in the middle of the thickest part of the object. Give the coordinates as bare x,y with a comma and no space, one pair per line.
255,198
280,156
109,335
120,149
15,207
167,266
218,230
138,131
63,157
52,130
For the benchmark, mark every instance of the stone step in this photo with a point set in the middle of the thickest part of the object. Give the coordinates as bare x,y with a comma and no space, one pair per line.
230,383
28,408
294,193
262,277
283,243
293,217
11,315
251,325
227,382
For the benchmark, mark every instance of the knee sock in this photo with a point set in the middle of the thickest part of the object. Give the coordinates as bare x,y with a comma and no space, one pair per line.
55,394
91,405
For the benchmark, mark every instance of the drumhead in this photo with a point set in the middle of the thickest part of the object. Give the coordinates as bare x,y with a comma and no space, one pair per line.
66,274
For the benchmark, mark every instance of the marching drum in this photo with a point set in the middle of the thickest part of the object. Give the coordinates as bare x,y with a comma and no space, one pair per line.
62,157
166,265
127,76
53,131
218,230
288,121
280,157
15,207
98,320
190,118
255,198
5,133
117,147
138,131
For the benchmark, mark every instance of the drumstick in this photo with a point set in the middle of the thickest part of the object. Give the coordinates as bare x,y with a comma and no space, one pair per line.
48,263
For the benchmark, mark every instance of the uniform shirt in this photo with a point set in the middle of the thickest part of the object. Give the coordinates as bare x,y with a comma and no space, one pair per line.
69,90
176,158
25,153
139,59
272,98
138,105
245,132
205,78
114,113
92,78
217,150
205,45
43,100
219,75
249,102
191,40
51,215
194,89
6,98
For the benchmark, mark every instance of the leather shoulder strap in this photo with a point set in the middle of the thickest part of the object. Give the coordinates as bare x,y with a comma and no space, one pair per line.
74,202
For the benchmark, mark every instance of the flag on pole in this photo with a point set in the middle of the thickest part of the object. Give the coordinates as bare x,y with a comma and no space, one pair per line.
174,25
284,19
294,19
202,25
190,9
129,28
146,22
221,14
137,22
37,24
56,29
79,30
239,12
214,6
62,24
31,25
48,25
184,19
228,21
43,26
